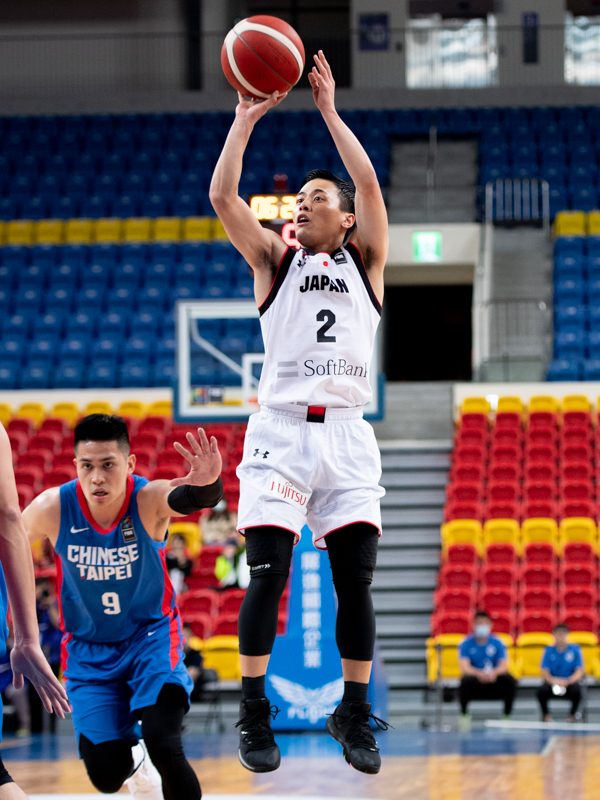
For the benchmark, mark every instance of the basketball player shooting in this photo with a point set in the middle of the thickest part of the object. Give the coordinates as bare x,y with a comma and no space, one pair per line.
309,457
17,583
122,646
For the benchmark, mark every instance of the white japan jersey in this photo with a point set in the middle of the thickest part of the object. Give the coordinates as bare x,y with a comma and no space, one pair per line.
318,324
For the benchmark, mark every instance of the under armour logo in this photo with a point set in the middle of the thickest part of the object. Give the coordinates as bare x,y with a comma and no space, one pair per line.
257,453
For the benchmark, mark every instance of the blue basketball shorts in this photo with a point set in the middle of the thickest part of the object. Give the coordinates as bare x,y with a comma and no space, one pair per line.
107,683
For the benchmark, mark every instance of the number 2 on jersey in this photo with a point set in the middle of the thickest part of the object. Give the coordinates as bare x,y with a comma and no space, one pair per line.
112,603
328,317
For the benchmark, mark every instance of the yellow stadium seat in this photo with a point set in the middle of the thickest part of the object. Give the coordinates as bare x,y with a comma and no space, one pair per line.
160,408
137,229
197,229
475,405
33,411
5,413
222,653
98,407
576,402
2,232
49,231
543,403
462,531
68,411
218,231
78,231
570,223
167,229
511,652
539,529
108,229
589,647
448,642
510,404
578,529
530,649
502,531
132,408
190,532
19,231
593,223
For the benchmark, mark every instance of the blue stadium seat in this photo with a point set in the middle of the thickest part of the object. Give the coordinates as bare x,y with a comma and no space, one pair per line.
159,273
102,374
34,275
569,267
134,252
91,298
122,297
134,374
65,274
44,346
82,321
60,297
127,205
235,345
51,322
243,291
135,183
69,374
15,256
18,323
569,290
6,297
114,321
94,207
571,314
29,298
215,289
106,346
584,198
139,346
153,298
564,370
591,369
185,204
44,255
165,347
570,344
594,344
77,345
146,322
572,246
96,274
66,207
165,372
36,375
164,252
9,371
593,310
12,348
128,274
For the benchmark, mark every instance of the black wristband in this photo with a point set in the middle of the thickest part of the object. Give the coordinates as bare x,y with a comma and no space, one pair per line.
187,499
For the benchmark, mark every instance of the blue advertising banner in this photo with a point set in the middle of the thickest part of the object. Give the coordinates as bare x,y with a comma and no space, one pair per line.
304,678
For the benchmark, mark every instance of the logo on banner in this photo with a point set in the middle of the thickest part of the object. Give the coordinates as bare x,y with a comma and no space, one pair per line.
285,490
310,704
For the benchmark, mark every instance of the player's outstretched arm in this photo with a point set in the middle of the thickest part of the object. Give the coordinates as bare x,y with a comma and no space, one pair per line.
260,247
26,657
201,488
371,215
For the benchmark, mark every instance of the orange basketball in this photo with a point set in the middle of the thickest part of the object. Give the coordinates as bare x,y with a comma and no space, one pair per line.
262,55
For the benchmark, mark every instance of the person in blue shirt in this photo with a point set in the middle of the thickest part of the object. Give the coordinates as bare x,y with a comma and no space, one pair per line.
484,666
562,669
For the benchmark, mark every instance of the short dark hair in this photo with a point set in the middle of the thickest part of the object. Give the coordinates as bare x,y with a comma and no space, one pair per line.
562,626
481,613
102,428
346,190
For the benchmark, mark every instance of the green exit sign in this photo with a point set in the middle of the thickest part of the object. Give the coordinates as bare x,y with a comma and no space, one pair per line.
427,247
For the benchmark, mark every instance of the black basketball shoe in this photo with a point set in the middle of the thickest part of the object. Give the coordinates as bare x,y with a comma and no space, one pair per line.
349,725
258,750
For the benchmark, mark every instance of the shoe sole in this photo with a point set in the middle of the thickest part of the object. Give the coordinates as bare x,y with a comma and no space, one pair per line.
367,770
254,769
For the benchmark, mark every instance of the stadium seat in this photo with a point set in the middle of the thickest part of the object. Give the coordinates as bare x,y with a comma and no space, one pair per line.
456,576
201,601
578,553
530,649
452,623
570,223
582,621
137,229
462,532
442,656
498,598
461,554
463,509
502,531
221,653
201,624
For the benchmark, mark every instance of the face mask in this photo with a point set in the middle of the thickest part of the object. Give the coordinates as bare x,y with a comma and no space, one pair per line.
482,631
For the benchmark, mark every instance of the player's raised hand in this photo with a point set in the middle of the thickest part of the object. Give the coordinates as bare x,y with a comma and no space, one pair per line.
322,83
27,660
252,110
204,460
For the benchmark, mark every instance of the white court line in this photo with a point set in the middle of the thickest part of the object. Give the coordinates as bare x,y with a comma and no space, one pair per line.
542,726
550,745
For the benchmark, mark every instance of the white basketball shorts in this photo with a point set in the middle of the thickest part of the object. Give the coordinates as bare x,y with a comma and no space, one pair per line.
295,473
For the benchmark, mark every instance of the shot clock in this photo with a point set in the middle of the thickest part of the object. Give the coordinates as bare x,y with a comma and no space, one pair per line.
275,211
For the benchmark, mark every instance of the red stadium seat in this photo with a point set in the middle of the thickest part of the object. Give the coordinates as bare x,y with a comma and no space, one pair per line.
539,576
25,494
579,599
506,454
201,625
540,472
541,454
455,576
464,491
500,599
21,425
18,443
226,625
474,422
577,419
144,458
504,622
160,425
576,471
575,436
148,472
534,509
455,600
582,621
39,460
468,473
499,576
582,575
167,473
578,490
58,477
540,553
499,471
539,600
462,554
449,622
503,491
576,453
509,436
578,553
500,554
132,425
51,440
173,460
231,600
458,509
30,476
541,436
579,508
502,509
200,601
479,438
468,454
508,420
151,440
542,419
55,424
536,622
539,490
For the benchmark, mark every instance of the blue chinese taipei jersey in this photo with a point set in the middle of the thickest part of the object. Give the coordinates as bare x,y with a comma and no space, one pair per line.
483,656
562,664
111,582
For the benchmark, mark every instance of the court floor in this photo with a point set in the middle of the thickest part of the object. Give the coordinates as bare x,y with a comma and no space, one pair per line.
417,765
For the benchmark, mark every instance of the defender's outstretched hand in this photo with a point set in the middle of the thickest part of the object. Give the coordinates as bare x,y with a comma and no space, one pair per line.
322,83
253,110
27,660
205,460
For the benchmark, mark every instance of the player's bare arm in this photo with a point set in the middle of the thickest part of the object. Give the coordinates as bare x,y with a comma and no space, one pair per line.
371,235
156,499
42,516
27,659
261,248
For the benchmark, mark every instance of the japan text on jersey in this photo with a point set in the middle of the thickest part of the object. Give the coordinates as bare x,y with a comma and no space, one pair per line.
319,323
111,582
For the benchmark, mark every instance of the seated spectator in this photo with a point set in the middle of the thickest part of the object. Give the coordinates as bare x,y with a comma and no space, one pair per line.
484,666
231,567
193,662
179,564
562,669
220,524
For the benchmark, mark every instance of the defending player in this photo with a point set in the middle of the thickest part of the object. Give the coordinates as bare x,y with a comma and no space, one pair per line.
309,457
122,648
16,575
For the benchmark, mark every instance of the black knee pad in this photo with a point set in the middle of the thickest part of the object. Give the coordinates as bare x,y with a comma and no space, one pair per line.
4,776
108,764
353,553
269,550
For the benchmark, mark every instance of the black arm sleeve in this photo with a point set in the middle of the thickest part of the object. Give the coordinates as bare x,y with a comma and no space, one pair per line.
187,499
